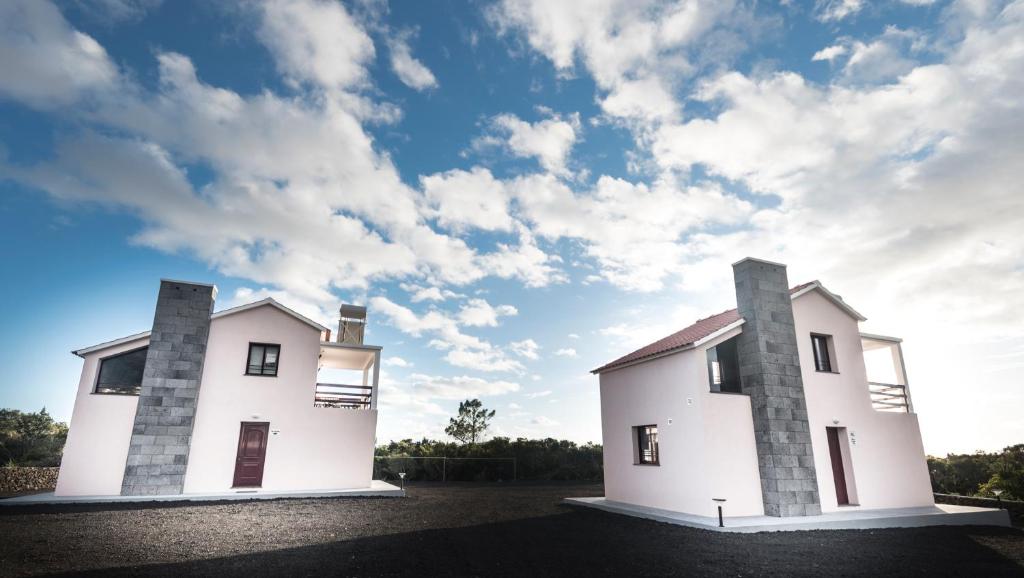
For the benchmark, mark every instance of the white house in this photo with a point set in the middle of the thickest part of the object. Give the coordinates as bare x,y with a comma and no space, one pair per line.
210,402
770,406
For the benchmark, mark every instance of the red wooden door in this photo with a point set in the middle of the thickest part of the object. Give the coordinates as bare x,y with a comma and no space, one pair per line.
838,473
252,452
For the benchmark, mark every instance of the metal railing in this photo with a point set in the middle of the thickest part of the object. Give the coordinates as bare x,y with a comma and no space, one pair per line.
889,397
342,395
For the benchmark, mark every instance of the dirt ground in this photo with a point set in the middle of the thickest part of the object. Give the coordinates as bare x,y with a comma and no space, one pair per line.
466,530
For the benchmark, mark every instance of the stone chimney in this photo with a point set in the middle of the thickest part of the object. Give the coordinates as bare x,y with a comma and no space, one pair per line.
162,433
770,375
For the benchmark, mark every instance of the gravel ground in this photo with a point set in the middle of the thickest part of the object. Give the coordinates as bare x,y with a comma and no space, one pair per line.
464,529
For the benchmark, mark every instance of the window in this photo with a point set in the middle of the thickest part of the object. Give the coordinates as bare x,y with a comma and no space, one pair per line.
724,367
646,440
824,353
263,359
122,373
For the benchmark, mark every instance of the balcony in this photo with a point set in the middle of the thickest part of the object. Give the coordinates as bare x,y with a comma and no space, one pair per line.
887,374
343,395
348,376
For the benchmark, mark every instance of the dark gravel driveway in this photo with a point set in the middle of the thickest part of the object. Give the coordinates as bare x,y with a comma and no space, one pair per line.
464,529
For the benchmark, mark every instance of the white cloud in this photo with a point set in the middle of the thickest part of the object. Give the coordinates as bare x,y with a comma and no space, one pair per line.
883,59
566,352
524,261
834,10
480,313
549,141
44,62
119,10
573,336
459,387
537,394
830,53
631,229
463,350
636,51
474,198
316,41
419,293
395,361
410,71
527,348
514,406
544,421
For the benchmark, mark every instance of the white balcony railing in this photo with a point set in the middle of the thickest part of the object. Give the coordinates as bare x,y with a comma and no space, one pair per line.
889,397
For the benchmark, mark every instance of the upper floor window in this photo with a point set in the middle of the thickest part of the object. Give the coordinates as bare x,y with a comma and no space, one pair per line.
122,373
263,359
646,440
724,367
824,353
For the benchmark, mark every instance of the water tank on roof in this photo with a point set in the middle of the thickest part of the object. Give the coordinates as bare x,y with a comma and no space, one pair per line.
352,324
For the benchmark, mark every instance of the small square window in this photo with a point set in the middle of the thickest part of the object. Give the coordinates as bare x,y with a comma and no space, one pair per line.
263,359
646,439
824,353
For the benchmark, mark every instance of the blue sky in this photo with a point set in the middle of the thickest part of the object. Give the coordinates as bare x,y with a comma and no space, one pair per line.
520,190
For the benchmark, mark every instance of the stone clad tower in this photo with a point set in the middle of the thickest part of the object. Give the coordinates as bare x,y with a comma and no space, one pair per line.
162,433
770,374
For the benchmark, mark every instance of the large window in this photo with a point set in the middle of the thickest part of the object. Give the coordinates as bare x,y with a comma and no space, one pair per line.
646,439
263,359
122,373
824,353
724,367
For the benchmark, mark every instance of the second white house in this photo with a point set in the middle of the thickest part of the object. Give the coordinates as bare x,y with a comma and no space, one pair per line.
769,407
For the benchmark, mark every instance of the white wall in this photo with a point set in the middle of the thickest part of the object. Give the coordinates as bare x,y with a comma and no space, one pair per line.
316,448
700,459
101,425
888,460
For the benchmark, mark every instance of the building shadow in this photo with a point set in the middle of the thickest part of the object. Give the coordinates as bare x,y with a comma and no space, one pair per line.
584,542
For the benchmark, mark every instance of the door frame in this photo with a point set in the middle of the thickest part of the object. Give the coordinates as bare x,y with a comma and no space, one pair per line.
838,442
238,450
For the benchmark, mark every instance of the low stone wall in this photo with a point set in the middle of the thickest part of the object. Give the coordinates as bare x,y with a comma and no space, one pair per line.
19,480
1016,508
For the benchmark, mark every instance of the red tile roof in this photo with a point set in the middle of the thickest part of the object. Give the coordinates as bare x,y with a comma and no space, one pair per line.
688,336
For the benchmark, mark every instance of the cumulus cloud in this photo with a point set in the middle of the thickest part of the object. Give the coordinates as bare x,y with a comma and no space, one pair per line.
635,51
834,10
462,350
527,348
566,352
549,141
316,41
631,229
474,198
409,70
480,313
418,293
459,387
44,62
830,53
395,361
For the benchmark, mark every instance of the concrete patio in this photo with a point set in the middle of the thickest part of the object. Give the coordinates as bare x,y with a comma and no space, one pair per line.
377,489
852,519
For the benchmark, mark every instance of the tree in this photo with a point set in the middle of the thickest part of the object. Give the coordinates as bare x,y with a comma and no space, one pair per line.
32,439
1008,474
471,423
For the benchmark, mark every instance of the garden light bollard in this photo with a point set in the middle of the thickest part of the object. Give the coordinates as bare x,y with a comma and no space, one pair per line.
402,475
999,501
720,501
